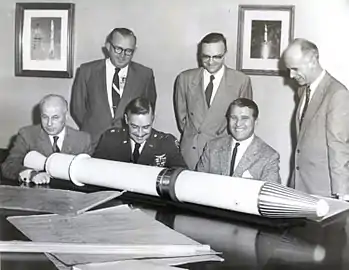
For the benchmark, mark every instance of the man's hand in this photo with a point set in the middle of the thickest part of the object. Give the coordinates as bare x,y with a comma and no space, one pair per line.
25,176
41,178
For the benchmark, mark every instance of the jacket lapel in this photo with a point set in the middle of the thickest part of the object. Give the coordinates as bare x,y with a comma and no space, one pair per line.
66,147
314,105
248,157
223,154
101,86
44,143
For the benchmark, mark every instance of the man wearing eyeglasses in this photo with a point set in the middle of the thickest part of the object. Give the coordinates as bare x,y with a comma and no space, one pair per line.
104,87
202,96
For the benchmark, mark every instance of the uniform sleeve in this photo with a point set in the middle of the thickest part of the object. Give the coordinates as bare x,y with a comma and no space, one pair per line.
204,161
88,145
13,164
271,169
337,134
102,149
175,158
79,97
180,103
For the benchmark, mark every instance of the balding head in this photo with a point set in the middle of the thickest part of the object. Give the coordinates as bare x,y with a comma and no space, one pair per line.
53,109
302,59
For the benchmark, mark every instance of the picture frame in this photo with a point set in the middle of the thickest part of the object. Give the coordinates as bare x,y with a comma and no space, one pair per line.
44,39
264,32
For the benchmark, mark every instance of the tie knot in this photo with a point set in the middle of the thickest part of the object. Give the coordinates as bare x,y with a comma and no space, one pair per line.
212,78
237,145
55,139
137,146
117,70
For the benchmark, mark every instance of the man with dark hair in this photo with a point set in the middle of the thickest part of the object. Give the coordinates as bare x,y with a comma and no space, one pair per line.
103,88
53,135
322,122
242,154
202,96
140,143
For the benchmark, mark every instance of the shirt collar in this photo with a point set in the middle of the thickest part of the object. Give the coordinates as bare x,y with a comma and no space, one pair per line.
246,142
316,83
110,66
60,135
218,75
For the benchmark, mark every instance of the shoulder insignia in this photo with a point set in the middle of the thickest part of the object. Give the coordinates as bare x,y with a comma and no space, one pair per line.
112,130
125,142
155,135
177,143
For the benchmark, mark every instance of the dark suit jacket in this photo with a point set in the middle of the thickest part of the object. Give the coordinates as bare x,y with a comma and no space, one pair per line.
89,100
161,149
34,138
260,161
198,123
322,153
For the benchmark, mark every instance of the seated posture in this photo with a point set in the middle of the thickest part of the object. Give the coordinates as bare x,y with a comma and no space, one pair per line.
242,154
53,135
139,142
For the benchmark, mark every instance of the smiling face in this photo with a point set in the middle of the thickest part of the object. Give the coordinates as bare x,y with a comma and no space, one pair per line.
53,115
241,122
139,126
117,48
213,56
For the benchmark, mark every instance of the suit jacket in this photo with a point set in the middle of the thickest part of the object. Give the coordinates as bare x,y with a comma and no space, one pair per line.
34,138
89,100
160,149
259,162
322,153
197,122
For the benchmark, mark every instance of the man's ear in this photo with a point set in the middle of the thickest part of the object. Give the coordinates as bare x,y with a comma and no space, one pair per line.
126,118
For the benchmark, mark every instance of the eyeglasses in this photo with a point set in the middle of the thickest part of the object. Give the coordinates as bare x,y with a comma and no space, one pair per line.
217,57
119,50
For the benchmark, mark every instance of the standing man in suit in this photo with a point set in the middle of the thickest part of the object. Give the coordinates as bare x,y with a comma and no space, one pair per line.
202,96
103,88
53,135
139,142
322,120
242,154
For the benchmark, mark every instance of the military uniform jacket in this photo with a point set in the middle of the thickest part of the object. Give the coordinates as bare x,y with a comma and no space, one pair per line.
160,149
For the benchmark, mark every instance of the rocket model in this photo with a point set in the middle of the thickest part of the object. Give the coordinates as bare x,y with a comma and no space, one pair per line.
255,197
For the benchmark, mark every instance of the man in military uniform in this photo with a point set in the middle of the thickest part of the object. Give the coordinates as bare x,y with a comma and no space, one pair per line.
139,142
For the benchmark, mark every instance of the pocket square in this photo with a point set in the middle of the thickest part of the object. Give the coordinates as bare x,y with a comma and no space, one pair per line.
247,174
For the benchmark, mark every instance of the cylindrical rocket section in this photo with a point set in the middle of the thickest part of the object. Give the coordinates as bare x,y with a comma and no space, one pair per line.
231,193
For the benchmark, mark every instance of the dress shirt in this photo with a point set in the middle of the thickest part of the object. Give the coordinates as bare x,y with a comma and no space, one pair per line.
110,71
241,149
313,86
133,146
60,139
217,80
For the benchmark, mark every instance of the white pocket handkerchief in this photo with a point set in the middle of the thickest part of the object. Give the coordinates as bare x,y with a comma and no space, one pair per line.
247,174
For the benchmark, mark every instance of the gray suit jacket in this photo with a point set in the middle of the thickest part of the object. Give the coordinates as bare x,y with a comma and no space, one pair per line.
89,98
322,153
34,138
197,122
260,160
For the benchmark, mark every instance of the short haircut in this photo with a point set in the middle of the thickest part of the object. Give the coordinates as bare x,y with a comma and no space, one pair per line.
125,32
214,38
138,106
53,96
244,102
307,47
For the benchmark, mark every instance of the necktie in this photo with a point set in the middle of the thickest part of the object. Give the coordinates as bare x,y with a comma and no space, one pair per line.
55,145
115,90
306,103
208,91
233,157
135,154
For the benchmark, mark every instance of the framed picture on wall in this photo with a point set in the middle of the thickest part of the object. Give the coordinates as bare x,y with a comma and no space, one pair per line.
44,40
263,34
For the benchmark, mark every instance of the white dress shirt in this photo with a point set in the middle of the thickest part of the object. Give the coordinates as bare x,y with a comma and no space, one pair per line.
241,149
61,136
133,144
217,80
313,86
110,71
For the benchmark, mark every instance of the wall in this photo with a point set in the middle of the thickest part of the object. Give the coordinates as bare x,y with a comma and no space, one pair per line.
168,32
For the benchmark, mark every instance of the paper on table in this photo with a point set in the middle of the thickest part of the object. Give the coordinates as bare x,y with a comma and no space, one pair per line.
52,200
115,225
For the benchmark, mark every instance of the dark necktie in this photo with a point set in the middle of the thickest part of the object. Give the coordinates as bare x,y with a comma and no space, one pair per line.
115,89
135,154
208,91
233,157
55,145
306,103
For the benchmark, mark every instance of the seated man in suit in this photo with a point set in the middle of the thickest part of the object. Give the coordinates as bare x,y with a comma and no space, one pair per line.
139,142
53,135
242,154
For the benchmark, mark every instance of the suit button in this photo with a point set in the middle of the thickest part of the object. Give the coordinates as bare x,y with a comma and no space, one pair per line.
298,151
199,132
191,113
297,168
194,147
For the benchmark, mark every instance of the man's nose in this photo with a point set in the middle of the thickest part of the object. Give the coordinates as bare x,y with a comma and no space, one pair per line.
49,122
292,74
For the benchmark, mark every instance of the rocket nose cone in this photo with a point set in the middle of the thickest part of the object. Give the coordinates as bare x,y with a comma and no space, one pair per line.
322,208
